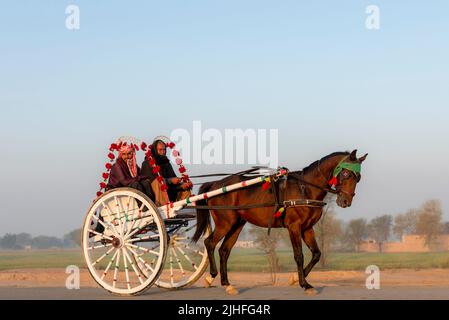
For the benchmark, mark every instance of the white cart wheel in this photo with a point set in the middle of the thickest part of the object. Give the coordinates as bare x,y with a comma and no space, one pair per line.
186,262
124,241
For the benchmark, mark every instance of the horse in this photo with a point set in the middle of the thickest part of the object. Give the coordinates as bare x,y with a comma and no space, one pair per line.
339,168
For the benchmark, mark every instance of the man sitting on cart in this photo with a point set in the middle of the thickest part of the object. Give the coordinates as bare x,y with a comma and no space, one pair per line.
126,173
177,189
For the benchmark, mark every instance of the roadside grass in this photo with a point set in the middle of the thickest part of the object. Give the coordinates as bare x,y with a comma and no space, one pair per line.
250,260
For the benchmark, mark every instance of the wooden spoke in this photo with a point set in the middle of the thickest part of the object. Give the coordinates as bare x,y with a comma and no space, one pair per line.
139,276
143,249
102,257
178,261
153,236
125,262
109,265
117,266
187,257
100,234
100,246
142,260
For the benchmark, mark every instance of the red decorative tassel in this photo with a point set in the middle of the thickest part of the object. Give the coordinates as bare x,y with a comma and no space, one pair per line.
182,169
105,175
265,185
111,156
160,179
164,187
277,214
333,181
102,185
135,147
113,147
152,162
108,166
99,193
171,145
143,146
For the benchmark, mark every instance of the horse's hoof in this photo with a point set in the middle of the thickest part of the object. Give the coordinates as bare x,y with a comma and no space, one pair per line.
292,281
311,292
208,281
231,290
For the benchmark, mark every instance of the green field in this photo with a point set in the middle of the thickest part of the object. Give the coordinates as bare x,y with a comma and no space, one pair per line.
243,260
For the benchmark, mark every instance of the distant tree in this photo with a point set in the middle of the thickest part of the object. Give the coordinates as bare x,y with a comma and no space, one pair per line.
23,240
9,241
328,230
445,228
429,221
405,223
73,237
268,245
356,230
46,242
379,229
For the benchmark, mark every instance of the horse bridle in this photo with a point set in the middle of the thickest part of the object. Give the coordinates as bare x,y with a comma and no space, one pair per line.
338,188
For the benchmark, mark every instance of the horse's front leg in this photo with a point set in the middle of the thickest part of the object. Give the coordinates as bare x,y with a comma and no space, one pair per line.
294,231
309,238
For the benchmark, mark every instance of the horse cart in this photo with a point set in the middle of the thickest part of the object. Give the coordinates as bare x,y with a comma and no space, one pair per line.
129,243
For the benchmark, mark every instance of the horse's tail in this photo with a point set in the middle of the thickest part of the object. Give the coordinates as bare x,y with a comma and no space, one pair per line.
202,215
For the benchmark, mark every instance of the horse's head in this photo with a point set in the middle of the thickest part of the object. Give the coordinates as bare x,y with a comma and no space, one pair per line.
345,177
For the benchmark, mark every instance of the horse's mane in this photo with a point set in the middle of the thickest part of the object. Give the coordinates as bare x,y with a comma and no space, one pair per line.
313,165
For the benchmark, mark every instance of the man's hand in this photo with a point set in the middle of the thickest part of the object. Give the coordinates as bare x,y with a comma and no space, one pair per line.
175,180
186,186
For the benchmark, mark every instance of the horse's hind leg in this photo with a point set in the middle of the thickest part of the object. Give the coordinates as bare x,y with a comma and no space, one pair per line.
211,242
224,251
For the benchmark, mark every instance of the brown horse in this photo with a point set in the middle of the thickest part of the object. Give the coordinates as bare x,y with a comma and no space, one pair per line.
298,220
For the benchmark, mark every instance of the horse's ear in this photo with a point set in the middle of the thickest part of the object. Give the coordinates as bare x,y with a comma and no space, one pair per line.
353,155
361,159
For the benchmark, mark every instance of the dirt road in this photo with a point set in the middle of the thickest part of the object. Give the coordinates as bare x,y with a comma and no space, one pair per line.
395,284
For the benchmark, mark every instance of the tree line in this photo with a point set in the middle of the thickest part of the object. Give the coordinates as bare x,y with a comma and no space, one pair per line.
335,235
20,241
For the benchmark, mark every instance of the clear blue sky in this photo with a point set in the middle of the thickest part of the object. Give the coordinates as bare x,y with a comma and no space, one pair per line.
143,68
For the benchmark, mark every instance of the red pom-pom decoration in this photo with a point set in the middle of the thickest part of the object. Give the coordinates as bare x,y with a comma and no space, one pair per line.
266,185
111,156
156,170
277,214
171,145
102,185
135,147
105,175
143,146
108,166
99,193
114,146
160,179
164,187
333,181
182,169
